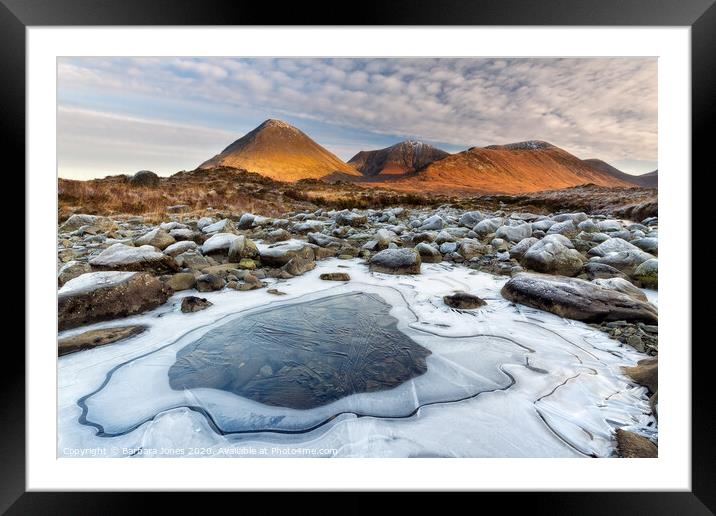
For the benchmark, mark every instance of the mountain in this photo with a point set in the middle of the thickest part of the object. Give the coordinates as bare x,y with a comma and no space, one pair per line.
401,158
649,180
280,151
522,167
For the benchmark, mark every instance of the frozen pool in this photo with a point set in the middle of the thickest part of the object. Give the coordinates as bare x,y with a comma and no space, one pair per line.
507,380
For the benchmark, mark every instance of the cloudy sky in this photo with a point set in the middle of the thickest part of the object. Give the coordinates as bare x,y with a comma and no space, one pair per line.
120,115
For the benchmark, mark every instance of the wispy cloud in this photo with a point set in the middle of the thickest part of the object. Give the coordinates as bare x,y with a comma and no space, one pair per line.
193,107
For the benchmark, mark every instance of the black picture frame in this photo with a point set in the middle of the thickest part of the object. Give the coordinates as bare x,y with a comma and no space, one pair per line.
700,15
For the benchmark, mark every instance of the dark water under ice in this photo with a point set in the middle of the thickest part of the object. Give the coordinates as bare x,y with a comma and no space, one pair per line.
304,355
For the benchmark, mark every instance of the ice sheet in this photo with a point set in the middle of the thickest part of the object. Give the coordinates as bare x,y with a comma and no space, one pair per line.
506,380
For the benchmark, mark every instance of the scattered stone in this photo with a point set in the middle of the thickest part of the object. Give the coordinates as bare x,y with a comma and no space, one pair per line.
194,304
348,218
99,296
241,248
157,238
335,276
396,261
120,257
276,292
181,281
634,446
280,254
180,247
209,283
297,266
428,253
553,255
645,373
95,338
463,301
71,270
622,285
647,273
144,178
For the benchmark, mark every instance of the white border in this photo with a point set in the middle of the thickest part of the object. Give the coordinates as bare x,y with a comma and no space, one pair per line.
670,471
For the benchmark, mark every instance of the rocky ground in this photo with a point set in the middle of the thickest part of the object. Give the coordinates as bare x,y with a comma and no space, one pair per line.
589,267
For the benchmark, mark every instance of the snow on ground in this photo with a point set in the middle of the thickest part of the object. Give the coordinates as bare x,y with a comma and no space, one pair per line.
502,381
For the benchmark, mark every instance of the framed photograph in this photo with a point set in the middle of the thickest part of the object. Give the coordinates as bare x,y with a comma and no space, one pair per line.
269,251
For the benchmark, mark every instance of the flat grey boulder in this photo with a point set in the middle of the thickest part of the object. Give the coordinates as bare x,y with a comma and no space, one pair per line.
280,254
622,285
518,250
223,226
99,296
348,218
218,243
78,220
157,238
514,233
434,223
396,261
180,247
487,226
470,218
120,257
576,299
428,253
554,255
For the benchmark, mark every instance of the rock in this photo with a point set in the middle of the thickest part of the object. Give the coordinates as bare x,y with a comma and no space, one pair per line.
348,218
518,250
487,226
276,292
157,238
94,338
321,240
223,270
278,235
241,248
182,234
280,254
514,233
209,283
192,260
622,285
647,273
625,261
469,219
203,222
71,270
297,266
250,282
194,304
181,281
635,446
246,221
223,226
180,247
596,270
335,276
588,226
76,221
463,301
144,178
428,254
499,245
563,228
120,257
434,223
553,255
470,249
219,243
309,226
396,261
542,225
576,299
616,245
609,225
99,296
247,264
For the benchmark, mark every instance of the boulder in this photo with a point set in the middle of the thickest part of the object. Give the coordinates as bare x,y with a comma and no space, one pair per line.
576,299
182,234
94,338
180,247
144,178
634,446
99,296
278,235
428,254
645,373
280,254
463,301
157,238
246,221
181,281
194,304
596,270
192,260
563,228
335,276
487,226
396,261
297,266
209,282
71,270
469,249
223,226
514,233
553,255
219,243
648,244
518,250
120,257
647,273
76,221
470,218
434,223
349,218
241,248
